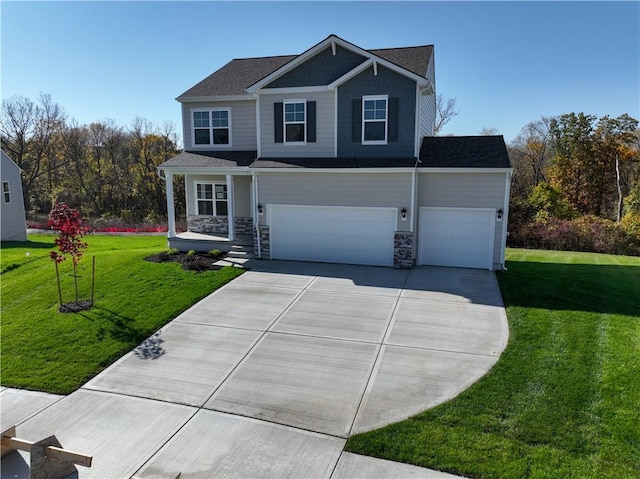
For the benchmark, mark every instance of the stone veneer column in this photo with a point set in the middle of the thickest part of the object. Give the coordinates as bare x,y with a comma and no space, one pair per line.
403,249
265,247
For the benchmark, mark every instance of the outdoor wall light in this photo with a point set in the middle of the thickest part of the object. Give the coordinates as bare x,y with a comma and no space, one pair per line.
260,210
403,213
499,214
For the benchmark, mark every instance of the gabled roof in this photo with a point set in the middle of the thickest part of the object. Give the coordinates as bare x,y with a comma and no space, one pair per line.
239,74
464,152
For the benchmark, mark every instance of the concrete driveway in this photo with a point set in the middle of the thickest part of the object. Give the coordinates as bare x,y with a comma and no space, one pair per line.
270,374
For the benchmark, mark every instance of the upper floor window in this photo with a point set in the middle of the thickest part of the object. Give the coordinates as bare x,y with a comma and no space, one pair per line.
211,199
5,192
295,121
212,127
374,120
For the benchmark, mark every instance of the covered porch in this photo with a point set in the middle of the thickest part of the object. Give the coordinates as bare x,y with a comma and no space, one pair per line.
219,200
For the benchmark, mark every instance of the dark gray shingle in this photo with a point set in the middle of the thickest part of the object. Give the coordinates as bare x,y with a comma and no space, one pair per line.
464,152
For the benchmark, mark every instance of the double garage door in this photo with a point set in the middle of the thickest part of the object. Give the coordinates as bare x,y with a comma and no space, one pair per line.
462,237
333,234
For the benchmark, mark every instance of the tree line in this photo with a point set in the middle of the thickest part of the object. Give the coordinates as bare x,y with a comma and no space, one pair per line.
575,174
104,169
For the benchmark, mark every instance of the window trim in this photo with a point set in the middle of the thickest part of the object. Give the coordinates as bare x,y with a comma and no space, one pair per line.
213,200
211,128
366,98
6,192
285,122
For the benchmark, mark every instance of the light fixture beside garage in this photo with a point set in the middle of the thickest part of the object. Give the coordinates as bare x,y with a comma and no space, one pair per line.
260,210
499,214
403,213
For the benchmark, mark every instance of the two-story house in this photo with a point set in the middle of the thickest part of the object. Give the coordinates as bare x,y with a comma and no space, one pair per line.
329,156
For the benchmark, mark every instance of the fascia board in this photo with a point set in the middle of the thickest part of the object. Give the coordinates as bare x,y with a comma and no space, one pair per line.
194,99
293,63
435,169
333,170
203,170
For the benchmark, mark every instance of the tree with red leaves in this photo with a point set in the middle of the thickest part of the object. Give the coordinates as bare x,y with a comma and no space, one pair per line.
68,223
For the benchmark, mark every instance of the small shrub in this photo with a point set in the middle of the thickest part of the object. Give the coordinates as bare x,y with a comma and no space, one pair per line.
173,251
191,252
215,253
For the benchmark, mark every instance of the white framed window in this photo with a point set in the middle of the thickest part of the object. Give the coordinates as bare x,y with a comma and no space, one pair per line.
375,117
211,199
295,121
5,192
211,127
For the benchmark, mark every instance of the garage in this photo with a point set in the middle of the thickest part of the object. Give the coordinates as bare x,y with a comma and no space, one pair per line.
334,234
461,237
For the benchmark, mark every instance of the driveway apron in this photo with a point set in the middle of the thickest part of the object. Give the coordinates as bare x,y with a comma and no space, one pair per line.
269,375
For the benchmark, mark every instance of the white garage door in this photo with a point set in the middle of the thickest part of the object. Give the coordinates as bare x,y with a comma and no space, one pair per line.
460,237
332,234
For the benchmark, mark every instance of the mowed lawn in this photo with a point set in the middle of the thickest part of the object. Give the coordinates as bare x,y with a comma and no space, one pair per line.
563,401
45,350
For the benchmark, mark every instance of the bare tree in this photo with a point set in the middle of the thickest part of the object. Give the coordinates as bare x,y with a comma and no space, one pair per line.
532,152
29,131
445,112
488,131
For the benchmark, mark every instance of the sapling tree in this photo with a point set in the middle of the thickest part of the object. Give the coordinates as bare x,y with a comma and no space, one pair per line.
69,225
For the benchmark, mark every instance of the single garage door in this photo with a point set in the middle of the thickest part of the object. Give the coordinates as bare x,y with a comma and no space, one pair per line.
333,234
460,237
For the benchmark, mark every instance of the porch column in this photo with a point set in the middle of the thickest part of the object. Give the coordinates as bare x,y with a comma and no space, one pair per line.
230,206
171,214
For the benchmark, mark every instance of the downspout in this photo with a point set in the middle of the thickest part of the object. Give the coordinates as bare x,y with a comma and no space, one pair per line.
414,213
505,218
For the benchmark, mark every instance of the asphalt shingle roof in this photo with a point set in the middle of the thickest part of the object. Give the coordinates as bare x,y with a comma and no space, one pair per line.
239,74
208,159
464,152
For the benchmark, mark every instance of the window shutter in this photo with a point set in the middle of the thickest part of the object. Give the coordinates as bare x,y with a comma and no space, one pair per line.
311,121
278,122
392,133
356,120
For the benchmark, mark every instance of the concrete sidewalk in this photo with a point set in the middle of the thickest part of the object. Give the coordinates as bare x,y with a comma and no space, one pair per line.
269,375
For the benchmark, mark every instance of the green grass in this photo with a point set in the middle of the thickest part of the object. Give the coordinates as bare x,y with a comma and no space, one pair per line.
45,350
563,401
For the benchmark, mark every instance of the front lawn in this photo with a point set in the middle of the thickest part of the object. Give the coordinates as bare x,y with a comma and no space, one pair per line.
564,398
45,350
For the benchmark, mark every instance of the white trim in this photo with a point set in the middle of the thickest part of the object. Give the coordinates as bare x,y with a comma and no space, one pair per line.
185,170
171,213
210,128
284,121
335,123
413,201
230,205
198,99
350,74
321,46
416,133
366,98
492,228
196,210
258,130
427,169
505,219
6,192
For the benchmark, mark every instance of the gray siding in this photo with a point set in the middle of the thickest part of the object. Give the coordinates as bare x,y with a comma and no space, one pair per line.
387,82
465,190
324,145
243,125
337,189
13,227
321,69
428,105
242,196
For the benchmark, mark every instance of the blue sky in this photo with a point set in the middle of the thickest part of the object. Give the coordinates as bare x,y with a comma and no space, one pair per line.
506,63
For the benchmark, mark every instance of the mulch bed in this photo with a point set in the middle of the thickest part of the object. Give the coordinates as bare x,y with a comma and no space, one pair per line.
198,262
82,305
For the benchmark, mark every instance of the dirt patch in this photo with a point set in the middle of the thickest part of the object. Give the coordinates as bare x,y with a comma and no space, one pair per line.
198,262
76,307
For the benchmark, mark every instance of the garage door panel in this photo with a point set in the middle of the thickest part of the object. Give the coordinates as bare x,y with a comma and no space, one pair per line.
460,237
332,234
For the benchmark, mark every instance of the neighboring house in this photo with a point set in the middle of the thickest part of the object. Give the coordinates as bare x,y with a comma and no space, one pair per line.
330,156
13,225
